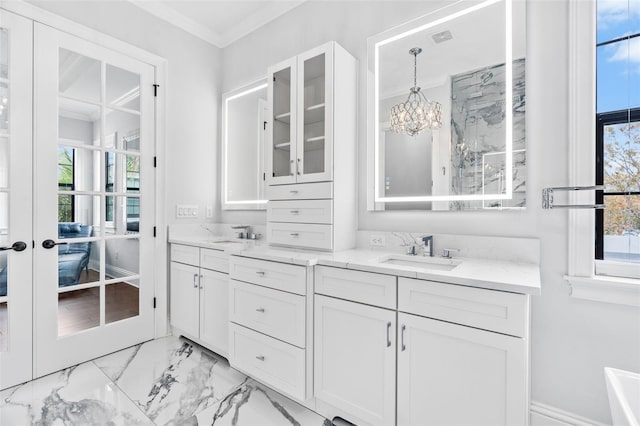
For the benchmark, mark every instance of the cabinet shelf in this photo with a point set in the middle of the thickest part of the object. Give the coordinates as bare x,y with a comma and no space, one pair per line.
284,117
282,145
314,114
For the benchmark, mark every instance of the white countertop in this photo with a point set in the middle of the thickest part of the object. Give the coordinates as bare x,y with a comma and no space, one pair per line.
512,276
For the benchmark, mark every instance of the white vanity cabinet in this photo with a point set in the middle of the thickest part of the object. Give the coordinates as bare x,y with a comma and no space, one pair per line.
270,329
311,150
405,351
199,295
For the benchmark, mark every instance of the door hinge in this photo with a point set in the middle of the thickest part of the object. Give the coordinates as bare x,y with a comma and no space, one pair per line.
33,244
154,303
155,162
154,231
274,78
264,126
264,176
155,89
273,174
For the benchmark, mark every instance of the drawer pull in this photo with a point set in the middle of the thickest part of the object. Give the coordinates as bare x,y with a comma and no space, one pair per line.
261,310
295,211
260,273
293,192
294,234
404,327
201,277
260,358
195,277
389,334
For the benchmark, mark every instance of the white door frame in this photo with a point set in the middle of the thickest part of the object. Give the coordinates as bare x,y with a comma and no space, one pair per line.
160,265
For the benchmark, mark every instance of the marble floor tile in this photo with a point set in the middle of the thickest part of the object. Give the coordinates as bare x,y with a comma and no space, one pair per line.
171,379
77,396
254,404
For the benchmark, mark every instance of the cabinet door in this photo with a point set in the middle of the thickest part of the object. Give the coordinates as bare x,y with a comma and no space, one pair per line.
450,374
281,151
355,359
214,310
315,113
185,298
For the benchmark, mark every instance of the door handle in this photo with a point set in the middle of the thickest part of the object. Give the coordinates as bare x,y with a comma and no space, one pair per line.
298,167
195,277
389,334
17,246
404,327
49,244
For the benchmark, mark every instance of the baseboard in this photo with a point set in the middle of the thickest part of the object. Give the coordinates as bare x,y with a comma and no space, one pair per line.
546,415
113,271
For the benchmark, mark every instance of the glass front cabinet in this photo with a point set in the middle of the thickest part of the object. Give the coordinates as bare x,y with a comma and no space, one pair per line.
301,130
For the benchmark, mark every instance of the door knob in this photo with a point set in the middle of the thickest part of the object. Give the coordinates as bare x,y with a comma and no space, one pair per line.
17,246
49,244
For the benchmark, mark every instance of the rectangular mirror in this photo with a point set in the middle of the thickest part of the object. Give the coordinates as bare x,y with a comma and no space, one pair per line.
446,107
244,116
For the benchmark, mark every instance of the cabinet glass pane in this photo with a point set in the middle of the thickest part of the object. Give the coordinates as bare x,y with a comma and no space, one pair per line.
79,76
314,115
123,88
122,300
282,162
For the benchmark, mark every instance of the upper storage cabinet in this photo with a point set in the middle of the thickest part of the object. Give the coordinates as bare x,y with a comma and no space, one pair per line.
302,131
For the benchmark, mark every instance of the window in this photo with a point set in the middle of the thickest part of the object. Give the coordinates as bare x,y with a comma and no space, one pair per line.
66,170
133,187
618,130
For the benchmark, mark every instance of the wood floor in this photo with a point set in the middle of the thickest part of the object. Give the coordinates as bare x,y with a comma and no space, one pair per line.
80,309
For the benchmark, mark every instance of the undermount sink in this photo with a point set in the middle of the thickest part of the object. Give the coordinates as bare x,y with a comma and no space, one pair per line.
421,262
224,242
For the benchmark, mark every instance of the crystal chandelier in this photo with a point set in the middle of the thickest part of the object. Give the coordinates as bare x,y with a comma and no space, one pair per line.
417,112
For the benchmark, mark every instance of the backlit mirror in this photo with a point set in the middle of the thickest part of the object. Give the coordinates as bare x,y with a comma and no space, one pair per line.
244,117
446,105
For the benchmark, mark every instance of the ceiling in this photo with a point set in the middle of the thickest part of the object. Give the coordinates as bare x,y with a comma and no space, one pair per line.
219,22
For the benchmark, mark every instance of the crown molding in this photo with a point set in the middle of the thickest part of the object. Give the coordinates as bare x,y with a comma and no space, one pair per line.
170,15
247,25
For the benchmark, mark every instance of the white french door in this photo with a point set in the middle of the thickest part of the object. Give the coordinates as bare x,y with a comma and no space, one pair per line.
15,201
94,197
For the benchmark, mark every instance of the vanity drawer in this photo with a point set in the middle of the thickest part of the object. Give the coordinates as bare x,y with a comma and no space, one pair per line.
275,363
216,260
364,287
300,191
185,254
281,276
272,312
301,211
301,235
492,310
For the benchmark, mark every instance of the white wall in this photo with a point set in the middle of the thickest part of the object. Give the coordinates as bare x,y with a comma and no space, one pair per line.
572,340
192,94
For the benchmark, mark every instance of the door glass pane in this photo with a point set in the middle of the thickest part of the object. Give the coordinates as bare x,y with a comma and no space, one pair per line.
78,169
314,115
78,122
122,215
78,310
4,107
123,88
4,163
122,300
78,216
282,163
122,257
4,53
4,257
79,76
126,128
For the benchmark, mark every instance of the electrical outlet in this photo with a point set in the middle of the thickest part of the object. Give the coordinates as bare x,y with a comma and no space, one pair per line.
209,211
377,240
186,211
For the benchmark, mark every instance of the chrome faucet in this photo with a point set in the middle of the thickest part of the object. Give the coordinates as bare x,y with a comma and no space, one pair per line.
428,244
247,233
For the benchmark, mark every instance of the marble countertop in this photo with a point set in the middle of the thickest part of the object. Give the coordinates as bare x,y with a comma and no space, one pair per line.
512,276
